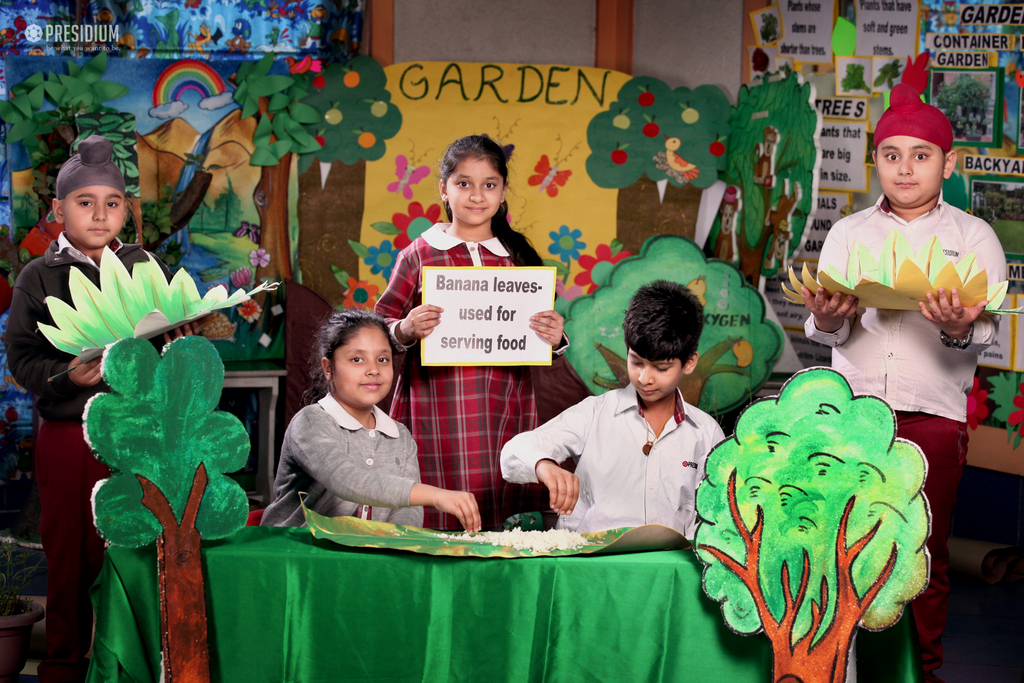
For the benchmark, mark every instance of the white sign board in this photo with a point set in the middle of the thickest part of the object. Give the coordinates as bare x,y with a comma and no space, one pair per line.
807,30
842,107
791,315
844,146
486,318
1000,354
830,210
887,28
811,354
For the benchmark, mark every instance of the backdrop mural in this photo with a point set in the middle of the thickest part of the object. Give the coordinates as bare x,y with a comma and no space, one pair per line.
600,161
188,36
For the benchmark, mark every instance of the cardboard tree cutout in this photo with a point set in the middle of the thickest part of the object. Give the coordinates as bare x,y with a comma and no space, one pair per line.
772,168
300,114
137,304
737,348
812,523
899,279
167,447
673,136
659,148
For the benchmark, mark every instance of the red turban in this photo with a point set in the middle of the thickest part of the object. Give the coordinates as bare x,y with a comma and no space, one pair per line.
908,115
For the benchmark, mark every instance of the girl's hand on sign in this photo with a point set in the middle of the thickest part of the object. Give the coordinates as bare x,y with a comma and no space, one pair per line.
548,325
420,322
188,329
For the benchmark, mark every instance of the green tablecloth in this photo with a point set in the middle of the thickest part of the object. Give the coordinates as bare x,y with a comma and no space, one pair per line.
283,606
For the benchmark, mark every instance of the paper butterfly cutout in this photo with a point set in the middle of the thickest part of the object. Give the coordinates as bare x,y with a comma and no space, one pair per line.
407,176
548,176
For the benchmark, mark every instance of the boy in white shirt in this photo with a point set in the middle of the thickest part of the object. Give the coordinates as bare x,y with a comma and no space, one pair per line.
921,363
639,450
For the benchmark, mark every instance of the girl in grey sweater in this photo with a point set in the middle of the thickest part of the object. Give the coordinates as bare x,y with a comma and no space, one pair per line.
346,454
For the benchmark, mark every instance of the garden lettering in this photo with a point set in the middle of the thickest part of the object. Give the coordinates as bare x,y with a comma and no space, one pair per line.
486,319
558,84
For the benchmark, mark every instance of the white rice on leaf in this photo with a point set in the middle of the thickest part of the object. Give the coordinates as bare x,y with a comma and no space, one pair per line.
534,541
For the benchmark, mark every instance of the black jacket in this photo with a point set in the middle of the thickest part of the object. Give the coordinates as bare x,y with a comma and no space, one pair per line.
30,356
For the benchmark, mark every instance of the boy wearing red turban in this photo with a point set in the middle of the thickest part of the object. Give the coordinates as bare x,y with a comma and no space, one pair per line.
921,363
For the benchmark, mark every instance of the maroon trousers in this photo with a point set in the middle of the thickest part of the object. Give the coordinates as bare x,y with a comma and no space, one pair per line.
944,443
66,472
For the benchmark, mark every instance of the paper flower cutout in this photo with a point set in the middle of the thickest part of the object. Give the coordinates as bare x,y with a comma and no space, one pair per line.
977,404
140,304
241,277
259,258
565,243
898,278
360,294
250,311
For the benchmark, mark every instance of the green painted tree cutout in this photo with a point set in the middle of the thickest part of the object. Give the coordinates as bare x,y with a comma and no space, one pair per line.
274,102
47,135
1008,397
167,448
813,521
773,159
355,114
737,348
676,136
119,128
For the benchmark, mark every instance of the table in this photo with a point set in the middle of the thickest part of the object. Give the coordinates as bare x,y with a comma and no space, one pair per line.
265,378
283,606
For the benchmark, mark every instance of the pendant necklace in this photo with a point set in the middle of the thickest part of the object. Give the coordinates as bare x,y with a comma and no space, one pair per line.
650,440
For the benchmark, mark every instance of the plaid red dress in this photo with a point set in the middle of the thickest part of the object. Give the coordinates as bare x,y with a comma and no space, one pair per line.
460,416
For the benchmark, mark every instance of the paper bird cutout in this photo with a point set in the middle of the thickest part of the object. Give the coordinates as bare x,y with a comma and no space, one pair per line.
898,279
140,304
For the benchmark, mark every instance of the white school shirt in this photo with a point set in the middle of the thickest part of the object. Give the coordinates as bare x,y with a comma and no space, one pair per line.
619,485
64,243
897,355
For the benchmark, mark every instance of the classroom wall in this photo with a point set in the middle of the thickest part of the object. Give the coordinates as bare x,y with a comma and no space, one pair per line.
704,47
524,32
687,43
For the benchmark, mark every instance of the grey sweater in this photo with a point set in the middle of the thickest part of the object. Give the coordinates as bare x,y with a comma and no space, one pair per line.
341,465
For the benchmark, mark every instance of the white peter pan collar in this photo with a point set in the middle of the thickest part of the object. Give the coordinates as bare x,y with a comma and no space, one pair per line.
439,239
385,425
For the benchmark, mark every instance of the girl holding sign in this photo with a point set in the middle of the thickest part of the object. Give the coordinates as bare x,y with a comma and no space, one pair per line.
461,416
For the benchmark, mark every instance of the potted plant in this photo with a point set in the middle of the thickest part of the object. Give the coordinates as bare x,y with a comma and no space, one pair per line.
17,613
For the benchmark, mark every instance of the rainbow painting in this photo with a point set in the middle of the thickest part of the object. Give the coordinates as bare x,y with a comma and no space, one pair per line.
184,76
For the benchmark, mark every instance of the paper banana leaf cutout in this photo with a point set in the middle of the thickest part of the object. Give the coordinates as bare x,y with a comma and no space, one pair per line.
140,304
898,278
